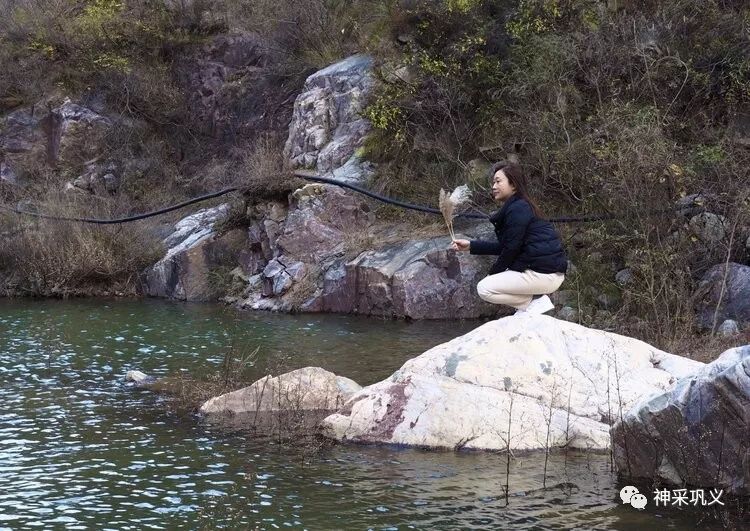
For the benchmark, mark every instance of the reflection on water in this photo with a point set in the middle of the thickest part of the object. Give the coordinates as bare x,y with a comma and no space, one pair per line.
79,449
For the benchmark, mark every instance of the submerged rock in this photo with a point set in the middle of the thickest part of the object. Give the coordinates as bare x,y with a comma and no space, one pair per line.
523,382
138,378
310,388
696,433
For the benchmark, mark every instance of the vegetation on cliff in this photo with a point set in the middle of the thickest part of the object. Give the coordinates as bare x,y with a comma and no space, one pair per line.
620,106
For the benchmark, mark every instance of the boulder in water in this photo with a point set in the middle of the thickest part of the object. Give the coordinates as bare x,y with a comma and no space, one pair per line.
138,378
695,433
524,382
310,388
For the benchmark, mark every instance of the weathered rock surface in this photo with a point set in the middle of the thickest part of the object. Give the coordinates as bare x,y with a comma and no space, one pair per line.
728,328
139,378
310,388
72,130
696,433
327,127
231,91
735,302
195,252
325,216
22,130
420,279
709,227
66,134
567,313
308,254
522,382
97,178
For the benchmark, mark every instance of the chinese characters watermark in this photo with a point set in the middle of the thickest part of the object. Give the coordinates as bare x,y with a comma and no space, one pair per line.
681,497
672,498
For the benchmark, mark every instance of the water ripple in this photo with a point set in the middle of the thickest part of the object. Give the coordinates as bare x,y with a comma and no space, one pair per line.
81,450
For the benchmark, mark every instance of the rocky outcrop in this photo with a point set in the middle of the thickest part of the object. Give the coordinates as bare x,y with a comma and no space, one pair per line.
295,243
697,433
321,251
708,227
310,388
325,215
72,133
735,301
298,259
195,252
67,134
327,127
420,279
22,132
231,90
523,382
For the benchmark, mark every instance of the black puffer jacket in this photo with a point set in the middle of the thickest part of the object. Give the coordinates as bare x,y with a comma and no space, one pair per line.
523,241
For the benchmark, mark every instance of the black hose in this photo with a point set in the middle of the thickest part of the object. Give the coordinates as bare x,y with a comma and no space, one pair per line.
422,208
319,179
127,219
384,199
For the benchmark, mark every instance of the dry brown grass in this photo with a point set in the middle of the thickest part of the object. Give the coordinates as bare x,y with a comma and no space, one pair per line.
58,258
706,348
187,393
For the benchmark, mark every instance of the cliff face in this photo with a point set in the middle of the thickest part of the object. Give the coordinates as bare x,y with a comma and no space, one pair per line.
323,249
142,106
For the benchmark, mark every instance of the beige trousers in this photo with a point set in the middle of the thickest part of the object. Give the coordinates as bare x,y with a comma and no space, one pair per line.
516,289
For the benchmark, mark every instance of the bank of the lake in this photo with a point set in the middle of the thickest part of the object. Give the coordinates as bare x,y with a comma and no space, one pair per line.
80,449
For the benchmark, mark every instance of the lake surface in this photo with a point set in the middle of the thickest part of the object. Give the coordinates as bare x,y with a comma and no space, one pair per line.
81,449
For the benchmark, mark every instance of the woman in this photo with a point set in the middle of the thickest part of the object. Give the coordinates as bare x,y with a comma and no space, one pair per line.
531,258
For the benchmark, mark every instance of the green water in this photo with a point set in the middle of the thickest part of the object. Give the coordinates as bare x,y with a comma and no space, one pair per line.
80,449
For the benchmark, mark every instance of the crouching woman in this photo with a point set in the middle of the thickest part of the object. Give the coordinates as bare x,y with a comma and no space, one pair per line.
531,259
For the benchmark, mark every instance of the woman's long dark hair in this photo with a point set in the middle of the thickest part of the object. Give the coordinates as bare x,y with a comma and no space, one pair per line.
515,176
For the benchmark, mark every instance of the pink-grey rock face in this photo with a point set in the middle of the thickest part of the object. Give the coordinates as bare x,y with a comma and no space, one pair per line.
231,91
696,433
323,217
22,130
735,302
73,131
327,127
195,252
67,134
420,279
524,382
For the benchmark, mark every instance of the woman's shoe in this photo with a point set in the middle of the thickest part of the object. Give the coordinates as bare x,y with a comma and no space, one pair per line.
541,305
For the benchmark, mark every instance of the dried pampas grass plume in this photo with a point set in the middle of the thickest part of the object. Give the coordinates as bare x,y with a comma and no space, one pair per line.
449,203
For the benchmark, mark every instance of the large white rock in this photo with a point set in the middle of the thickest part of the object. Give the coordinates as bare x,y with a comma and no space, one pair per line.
307,389
523,382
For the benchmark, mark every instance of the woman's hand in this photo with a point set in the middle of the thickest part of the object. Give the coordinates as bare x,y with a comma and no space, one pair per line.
461,245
